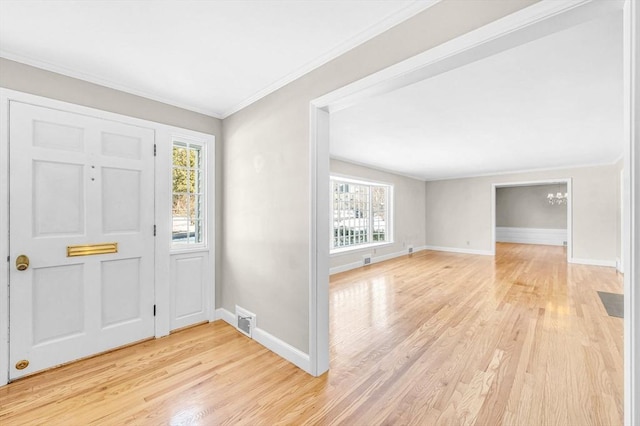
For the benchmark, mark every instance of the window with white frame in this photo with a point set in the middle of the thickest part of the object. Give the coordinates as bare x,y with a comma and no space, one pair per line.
188,194
361,213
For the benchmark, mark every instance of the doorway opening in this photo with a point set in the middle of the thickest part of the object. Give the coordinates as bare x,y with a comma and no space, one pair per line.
536,212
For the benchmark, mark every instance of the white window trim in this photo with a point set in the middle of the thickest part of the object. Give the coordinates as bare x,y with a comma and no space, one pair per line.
390,213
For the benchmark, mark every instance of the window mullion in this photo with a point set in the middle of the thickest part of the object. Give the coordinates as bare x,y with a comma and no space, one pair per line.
370,215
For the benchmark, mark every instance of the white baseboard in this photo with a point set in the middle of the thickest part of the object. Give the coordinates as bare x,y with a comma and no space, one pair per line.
553,237
271,342
460,250
593,262
619,265
226,316
376,259
346,267
285,350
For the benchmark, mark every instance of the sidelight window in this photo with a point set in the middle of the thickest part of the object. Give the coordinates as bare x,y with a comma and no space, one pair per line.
188,193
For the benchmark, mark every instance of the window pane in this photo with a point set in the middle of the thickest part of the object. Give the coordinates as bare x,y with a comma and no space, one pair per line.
179,230
195,158
180,205
180,180
179,155
195,207
193,178
198,184
195,231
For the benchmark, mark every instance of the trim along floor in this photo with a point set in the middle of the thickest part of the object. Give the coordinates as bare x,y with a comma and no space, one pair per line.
431,338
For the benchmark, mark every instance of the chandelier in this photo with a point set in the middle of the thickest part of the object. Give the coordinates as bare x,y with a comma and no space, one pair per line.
557,199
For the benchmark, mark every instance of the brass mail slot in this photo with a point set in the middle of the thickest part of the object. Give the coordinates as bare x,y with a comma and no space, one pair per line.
90,249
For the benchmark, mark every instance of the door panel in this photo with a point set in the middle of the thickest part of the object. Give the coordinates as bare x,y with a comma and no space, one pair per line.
58,196
65,318
189,289
121,146
121,193
78,180
120,291
58,136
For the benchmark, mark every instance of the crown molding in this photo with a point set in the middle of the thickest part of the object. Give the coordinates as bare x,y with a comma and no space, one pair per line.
473,175
376,168
515,172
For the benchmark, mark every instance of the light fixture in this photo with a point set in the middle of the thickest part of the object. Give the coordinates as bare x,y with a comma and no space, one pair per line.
557,199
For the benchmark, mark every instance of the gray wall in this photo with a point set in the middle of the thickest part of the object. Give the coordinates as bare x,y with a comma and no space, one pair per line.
24,78
266,208
527,207
408,211
18,76
459,210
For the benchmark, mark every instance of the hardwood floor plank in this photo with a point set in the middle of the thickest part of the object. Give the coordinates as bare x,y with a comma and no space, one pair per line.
433,338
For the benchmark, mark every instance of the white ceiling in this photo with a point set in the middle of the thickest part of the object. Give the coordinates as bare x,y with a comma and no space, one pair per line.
554,102
209,56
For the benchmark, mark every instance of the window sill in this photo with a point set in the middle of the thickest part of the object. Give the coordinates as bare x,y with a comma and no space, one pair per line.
345,250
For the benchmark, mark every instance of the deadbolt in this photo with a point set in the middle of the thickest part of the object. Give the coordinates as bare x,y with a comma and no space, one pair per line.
22,263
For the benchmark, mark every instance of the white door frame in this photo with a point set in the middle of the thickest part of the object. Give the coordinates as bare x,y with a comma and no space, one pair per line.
544,17
163,138
566,181
631,212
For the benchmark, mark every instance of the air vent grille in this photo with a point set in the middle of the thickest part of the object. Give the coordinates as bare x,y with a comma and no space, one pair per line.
245,321
244,325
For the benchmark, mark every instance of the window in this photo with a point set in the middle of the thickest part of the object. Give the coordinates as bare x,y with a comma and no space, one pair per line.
361,213
188,194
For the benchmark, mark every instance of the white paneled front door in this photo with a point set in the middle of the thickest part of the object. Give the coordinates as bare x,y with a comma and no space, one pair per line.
77,181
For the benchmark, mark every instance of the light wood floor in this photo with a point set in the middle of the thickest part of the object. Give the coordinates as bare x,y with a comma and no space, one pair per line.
438,338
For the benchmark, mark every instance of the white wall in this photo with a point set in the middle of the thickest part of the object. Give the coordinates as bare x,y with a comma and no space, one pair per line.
459,210
266,193
408,214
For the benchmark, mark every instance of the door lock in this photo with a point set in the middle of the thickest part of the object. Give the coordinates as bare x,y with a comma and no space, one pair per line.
22,262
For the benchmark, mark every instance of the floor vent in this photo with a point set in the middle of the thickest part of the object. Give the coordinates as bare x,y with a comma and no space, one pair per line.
410,249
246,321
366,259
613,303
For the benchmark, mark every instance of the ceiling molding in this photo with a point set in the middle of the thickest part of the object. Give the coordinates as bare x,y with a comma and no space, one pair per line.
514,172
392,20
379,169
48,66
480,175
